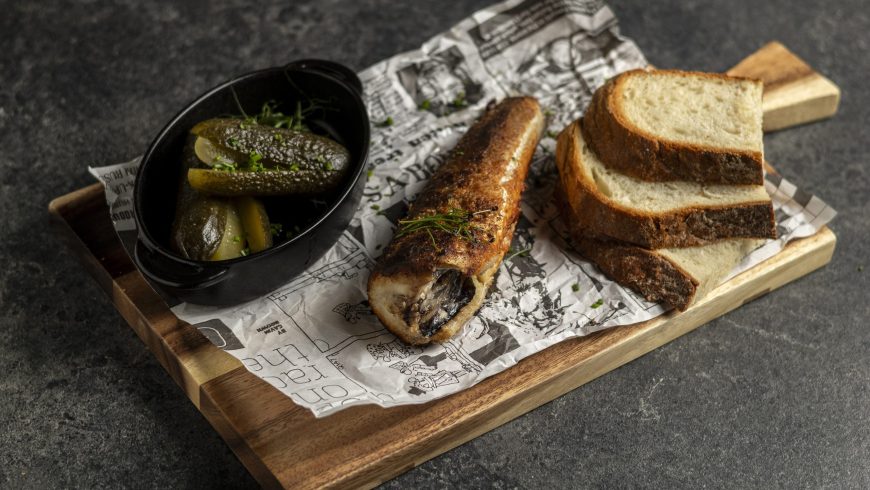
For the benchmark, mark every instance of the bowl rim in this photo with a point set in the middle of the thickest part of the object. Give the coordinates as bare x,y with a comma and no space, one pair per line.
309,66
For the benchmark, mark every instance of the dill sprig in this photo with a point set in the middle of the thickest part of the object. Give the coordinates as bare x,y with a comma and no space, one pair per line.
456,222
521,253
269,114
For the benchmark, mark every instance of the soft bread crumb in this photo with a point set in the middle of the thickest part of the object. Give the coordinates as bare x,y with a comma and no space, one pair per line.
661,196
689,108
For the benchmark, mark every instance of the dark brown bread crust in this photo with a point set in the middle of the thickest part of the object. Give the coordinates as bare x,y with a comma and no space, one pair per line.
649,273
686,227
623,146
645,271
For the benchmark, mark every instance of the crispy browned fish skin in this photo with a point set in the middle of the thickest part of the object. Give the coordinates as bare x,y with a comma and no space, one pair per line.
485,172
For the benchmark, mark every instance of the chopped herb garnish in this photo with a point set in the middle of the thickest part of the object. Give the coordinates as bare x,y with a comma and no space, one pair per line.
460,101
278,136
275,229
232,143
386,122
425,105
597,304
237,239
245,252
294,167
254,164
548,112
375,207
369,173
552,134
575,287
328,166
269,115
522,253
224,164
456,222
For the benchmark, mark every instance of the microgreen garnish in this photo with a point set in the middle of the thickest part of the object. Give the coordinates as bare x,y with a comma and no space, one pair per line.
369,173
425,105
460,101
275,229
269,115
456,222
232,143
386,122
254,164
575,287
597,304
294,167
224,164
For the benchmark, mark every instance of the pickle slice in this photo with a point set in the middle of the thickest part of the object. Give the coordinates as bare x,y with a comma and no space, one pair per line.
233,238
255,222
209,153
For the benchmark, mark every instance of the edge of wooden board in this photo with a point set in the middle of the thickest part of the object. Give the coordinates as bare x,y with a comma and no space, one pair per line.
794,93
201,369
555,371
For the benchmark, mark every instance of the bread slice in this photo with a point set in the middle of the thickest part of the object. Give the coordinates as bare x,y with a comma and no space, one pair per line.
655,215
663,125
676,277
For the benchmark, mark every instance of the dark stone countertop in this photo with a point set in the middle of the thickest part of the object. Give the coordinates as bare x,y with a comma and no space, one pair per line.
776,392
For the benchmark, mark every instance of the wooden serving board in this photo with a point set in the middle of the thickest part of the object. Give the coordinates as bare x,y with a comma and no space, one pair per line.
282,444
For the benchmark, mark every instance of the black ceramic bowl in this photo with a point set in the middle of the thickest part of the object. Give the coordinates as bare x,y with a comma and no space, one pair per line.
320,221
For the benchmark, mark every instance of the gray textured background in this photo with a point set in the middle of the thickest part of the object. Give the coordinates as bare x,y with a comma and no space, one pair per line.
775,392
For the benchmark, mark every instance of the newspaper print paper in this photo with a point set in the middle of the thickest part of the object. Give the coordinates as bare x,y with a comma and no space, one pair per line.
316,340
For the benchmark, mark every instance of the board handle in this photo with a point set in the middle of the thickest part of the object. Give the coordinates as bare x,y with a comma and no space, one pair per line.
794,93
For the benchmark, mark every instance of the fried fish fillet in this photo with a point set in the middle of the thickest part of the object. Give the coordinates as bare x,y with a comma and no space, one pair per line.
434,274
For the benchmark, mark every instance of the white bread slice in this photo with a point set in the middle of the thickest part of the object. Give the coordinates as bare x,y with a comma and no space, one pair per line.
663,125
607,203
677,277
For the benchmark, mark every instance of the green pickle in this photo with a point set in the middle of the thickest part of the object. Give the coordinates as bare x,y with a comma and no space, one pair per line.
205,227
247,159
255,222
226,163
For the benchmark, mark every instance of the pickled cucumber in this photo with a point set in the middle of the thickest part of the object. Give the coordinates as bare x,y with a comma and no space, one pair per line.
323,159
205,227
232,244
268,183
255,223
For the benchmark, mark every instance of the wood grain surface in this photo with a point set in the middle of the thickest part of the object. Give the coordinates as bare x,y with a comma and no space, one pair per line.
794,93
283,445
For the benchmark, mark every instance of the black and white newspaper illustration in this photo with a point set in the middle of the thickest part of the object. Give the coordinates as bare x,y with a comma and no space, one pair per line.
316,340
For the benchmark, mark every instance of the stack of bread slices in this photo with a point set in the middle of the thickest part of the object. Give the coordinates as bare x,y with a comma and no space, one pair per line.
662,181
